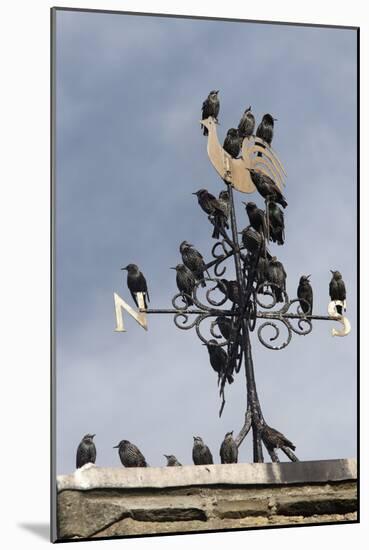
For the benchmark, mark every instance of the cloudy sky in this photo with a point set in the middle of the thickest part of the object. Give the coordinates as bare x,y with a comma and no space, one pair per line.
129,153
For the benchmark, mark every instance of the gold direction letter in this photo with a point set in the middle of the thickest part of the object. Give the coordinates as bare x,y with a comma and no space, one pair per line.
139,316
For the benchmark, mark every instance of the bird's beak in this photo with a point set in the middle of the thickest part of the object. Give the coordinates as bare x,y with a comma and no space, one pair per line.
331,271
166,456
194,193
308,276
188,244
245,203
93,436
115,446
123,268
248,169
172,268
275,118
203,344
217,91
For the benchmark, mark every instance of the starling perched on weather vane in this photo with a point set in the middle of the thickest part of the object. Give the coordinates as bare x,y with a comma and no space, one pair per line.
86,451
186,283
213,207
210,107
274,439
136,283
172,461
247,124
130,455
253,241
265,129
225,326
261,273
228,450
219,360
276,223
230,289
305,294
267,187
256,217
193,260
201,453
232,143
276,275
337,289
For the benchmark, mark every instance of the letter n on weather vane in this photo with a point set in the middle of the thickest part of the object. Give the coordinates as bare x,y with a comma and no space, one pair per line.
139,316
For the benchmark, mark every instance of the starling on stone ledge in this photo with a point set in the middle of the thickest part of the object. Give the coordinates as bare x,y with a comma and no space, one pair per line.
130,455
86,451
200,452
172,461
274,439
228,450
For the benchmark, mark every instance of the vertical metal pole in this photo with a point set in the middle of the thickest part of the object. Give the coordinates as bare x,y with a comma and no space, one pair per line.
252,396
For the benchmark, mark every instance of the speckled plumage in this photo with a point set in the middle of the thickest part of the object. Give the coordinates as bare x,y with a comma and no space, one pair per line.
228,450
86,451
201,453
130,455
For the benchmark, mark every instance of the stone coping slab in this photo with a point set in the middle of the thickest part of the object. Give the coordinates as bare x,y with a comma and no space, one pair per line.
91,477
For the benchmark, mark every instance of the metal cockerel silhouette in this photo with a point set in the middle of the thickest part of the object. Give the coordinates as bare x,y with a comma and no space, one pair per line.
236,170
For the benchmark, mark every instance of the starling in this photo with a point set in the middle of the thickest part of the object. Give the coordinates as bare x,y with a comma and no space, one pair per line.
201,453
247,124
265,128
305,294
225,326
230,289
185,282
337,289
193,260
228,450
276,223
210,107
267,187
276,275
232,143
213,207
172,461
136,283
274,439
253,241
130,455
222,216
261,273
256,217
219,361
86,451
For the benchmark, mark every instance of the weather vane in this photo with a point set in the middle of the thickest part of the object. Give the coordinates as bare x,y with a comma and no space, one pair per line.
258,298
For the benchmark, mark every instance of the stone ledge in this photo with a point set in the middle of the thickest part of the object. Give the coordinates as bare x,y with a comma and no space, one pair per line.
316,471
101,502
